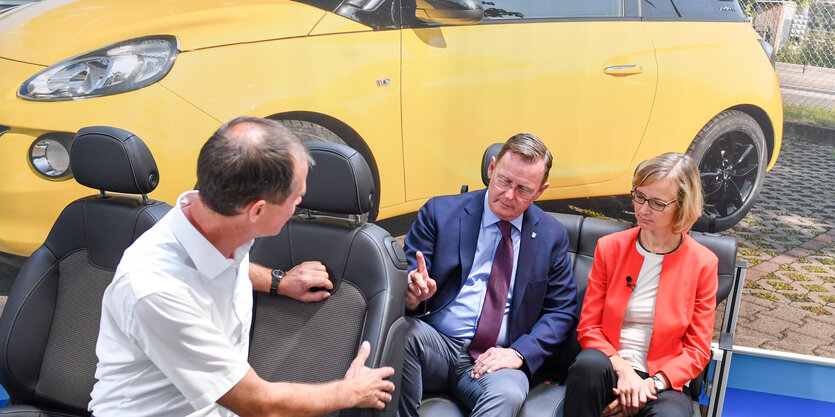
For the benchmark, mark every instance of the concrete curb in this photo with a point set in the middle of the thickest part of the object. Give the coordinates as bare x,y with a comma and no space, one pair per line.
820,134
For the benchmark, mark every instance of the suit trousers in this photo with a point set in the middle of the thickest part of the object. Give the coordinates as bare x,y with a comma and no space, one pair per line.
589,389
438,364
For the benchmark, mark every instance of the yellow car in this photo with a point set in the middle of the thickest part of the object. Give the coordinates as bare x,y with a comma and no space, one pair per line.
420,87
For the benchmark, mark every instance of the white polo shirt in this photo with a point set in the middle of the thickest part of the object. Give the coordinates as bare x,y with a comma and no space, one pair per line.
174,332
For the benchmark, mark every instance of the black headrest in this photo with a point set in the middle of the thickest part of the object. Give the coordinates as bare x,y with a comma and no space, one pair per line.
340,182
490,152
111,159
725,248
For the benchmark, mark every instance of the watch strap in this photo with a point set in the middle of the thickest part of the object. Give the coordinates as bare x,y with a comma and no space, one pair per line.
277,275
519,355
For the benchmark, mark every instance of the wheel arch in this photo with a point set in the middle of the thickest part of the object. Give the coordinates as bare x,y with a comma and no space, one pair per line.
346,133
761,117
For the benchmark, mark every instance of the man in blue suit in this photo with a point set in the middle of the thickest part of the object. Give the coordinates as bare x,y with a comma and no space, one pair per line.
491,292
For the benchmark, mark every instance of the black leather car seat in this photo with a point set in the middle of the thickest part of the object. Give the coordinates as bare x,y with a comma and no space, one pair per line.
315,342
50,324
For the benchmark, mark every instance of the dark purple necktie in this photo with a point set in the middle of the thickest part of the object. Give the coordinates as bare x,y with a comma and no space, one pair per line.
490,322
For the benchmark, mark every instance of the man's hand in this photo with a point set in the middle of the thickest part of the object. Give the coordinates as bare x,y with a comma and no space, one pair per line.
421,287
368,388
300,282
494,359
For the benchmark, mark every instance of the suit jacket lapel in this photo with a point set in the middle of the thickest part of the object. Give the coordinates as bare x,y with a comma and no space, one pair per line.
470,222
527,255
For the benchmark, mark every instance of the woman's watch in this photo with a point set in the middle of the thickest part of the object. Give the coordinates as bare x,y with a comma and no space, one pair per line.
277,275
659,384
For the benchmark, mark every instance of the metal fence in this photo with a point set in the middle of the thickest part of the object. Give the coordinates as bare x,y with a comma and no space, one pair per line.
803,36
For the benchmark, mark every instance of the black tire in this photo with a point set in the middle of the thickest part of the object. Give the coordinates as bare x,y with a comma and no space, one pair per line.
730,152
310,132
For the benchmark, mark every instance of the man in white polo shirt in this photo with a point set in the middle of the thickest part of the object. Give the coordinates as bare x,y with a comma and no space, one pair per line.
175,322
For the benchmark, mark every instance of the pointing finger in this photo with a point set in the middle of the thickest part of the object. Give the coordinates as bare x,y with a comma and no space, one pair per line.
421,264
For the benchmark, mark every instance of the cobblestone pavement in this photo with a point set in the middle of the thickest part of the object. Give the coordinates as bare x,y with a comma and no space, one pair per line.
788,240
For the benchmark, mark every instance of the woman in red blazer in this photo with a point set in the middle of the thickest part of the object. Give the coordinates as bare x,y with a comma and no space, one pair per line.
647,318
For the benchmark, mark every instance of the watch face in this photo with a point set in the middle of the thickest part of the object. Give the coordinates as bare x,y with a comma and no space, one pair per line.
278,273
658,384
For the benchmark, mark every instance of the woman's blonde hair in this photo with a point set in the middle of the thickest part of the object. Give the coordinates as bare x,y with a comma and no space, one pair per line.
682,172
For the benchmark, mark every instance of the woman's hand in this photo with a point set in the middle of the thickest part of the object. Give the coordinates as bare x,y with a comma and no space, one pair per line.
614,409
633,391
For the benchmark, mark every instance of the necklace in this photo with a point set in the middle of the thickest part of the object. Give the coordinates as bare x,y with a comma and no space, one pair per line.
640,242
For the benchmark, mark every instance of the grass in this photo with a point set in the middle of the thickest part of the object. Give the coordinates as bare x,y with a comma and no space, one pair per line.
594,214
799,298
749,252
814,288
781,286
814,268
754,285
827,261
828,298
766,296
761,244
809,115
794,276
819,310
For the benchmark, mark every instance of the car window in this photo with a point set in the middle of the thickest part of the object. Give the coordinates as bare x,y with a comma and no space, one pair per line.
550,9
702,10
658,9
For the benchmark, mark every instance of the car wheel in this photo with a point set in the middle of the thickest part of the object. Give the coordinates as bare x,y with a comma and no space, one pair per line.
310,132
731,155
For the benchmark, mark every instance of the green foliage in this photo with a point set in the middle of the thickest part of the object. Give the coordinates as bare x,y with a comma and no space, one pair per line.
803,3
765,296
809,115
814,268
781,286
799,298
794,276
819,310
817,50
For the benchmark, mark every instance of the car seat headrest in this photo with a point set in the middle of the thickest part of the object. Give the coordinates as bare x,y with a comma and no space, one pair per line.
490,152
111,159
339,182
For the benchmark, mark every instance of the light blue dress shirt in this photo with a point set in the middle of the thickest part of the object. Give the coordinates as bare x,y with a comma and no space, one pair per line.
460,317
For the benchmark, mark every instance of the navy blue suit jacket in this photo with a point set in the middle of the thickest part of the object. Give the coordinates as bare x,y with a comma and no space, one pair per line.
544,302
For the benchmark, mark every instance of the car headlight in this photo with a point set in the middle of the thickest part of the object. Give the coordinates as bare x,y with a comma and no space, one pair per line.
50,155
114,69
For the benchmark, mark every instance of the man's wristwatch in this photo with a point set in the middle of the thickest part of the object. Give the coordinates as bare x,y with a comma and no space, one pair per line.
277,275
519,355
659,384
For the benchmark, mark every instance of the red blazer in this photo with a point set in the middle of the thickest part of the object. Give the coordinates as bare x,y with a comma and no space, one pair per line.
684,307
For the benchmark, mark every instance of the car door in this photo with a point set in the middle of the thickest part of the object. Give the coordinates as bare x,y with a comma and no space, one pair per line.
580,75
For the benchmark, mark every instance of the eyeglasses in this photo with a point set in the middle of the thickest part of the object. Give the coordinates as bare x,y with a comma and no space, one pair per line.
522,193
654,203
